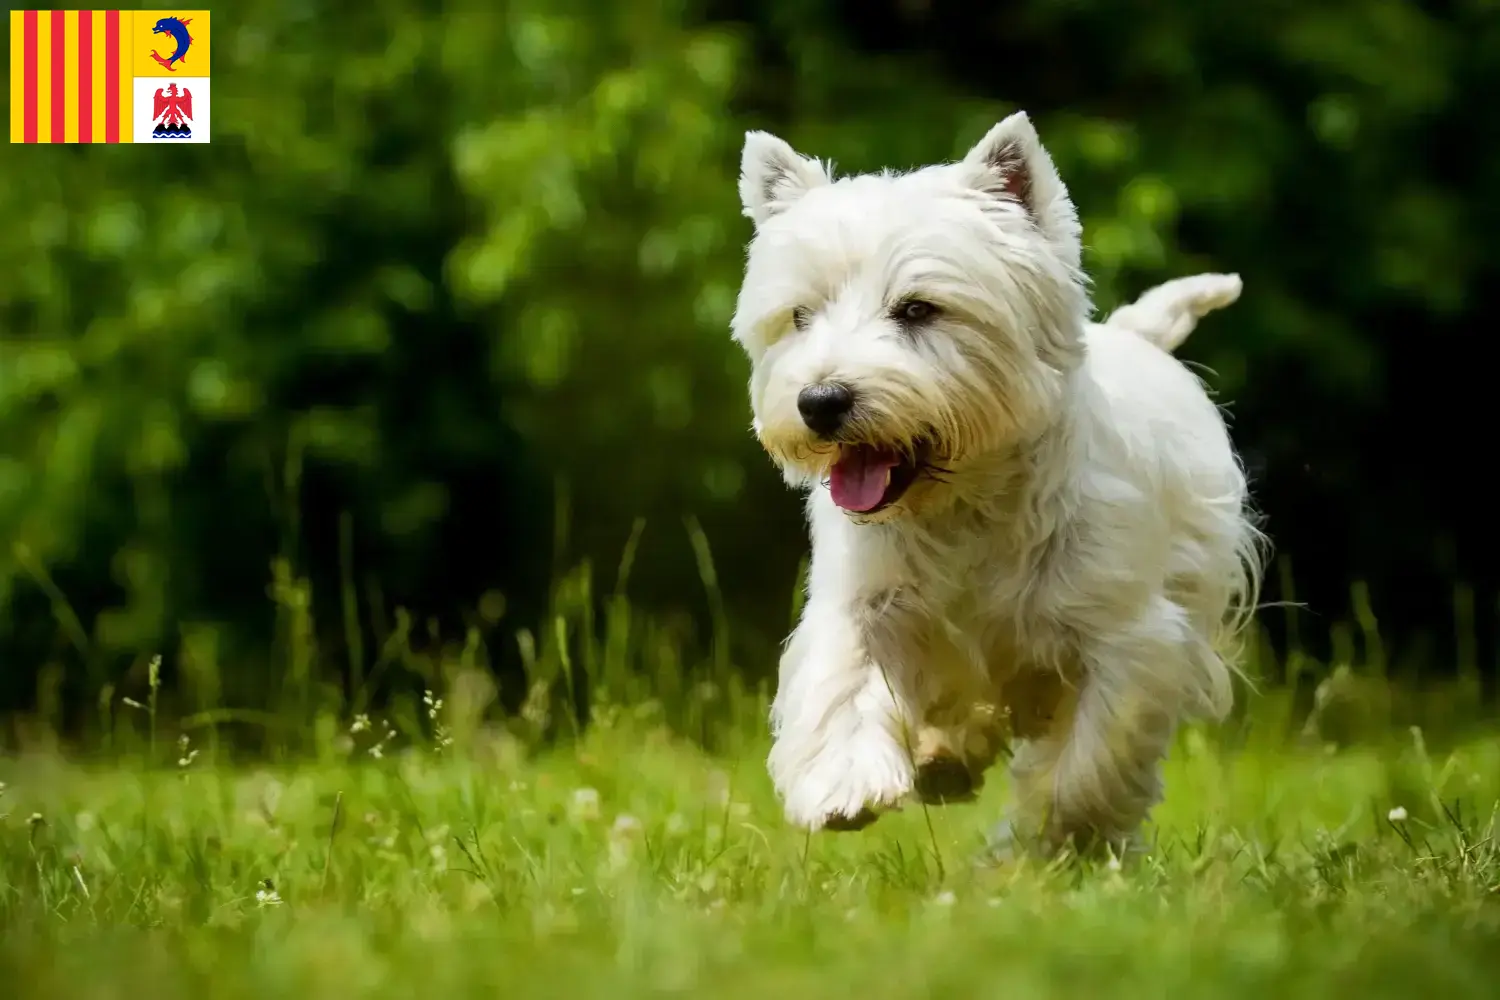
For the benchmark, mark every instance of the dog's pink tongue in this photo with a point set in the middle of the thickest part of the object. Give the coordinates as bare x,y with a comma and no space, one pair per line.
860,477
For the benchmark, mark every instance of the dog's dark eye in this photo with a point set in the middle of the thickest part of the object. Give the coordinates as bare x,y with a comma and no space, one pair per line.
915,311
801,316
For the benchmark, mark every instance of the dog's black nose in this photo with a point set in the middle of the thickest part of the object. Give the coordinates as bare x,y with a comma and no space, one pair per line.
825,407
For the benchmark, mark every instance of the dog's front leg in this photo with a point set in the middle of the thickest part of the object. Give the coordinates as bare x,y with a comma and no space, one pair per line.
841,720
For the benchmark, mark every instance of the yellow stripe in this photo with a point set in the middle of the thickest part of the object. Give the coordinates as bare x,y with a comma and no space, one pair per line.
44,76
17,78
70,75
98,50
127,75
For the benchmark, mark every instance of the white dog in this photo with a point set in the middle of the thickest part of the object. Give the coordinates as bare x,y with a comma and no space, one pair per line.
1029,531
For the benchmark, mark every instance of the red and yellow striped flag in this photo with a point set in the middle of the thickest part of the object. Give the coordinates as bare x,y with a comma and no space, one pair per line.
70,76
74,73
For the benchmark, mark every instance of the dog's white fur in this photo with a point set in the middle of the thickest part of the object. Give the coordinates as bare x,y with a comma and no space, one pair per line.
1061,588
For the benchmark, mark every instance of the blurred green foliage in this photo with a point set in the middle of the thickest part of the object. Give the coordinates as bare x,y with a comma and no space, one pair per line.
441,257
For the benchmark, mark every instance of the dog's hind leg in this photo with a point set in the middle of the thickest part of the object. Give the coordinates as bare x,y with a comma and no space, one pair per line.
1092,774
1091,780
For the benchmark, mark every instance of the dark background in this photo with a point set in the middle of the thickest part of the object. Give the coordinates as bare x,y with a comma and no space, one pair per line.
442,312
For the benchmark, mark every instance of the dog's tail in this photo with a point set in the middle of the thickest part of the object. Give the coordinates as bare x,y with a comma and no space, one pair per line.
1166,314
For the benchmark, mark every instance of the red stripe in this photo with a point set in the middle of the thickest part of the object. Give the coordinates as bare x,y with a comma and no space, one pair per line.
59,76
85,76
112,76
28,21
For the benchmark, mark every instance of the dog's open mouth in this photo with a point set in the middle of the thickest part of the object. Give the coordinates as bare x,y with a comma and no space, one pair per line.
867,478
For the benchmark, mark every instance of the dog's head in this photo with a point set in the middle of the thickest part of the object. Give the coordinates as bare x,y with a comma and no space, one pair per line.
900,326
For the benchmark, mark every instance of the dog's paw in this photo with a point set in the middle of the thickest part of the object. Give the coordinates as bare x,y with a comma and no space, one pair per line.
1007,846
1010,843
942,779
842,786
839,823
944,772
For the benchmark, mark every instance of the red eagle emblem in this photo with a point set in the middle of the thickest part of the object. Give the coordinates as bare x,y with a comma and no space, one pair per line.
172,110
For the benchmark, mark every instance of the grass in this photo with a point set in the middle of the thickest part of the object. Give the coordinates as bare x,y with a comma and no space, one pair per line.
631,863
596,852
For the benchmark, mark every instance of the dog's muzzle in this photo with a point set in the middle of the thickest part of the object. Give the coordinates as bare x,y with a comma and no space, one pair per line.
825,407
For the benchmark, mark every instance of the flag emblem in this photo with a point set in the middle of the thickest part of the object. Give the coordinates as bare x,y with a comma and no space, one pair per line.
175,27
101,76
173,113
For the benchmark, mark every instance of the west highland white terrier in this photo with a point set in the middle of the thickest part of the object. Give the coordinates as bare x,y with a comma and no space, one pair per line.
1030,532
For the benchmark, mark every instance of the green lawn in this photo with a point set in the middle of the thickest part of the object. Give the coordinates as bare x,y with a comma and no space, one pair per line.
631,864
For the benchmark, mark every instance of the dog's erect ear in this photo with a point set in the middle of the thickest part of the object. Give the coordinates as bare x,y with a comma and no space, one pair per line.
1004,158
1011,163
773,176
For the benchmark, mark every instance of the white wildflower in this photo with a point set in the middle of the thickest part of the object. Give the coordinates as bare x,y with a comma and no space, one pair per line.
1397,815
585,804
267,895
185,755
378,749
442,738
